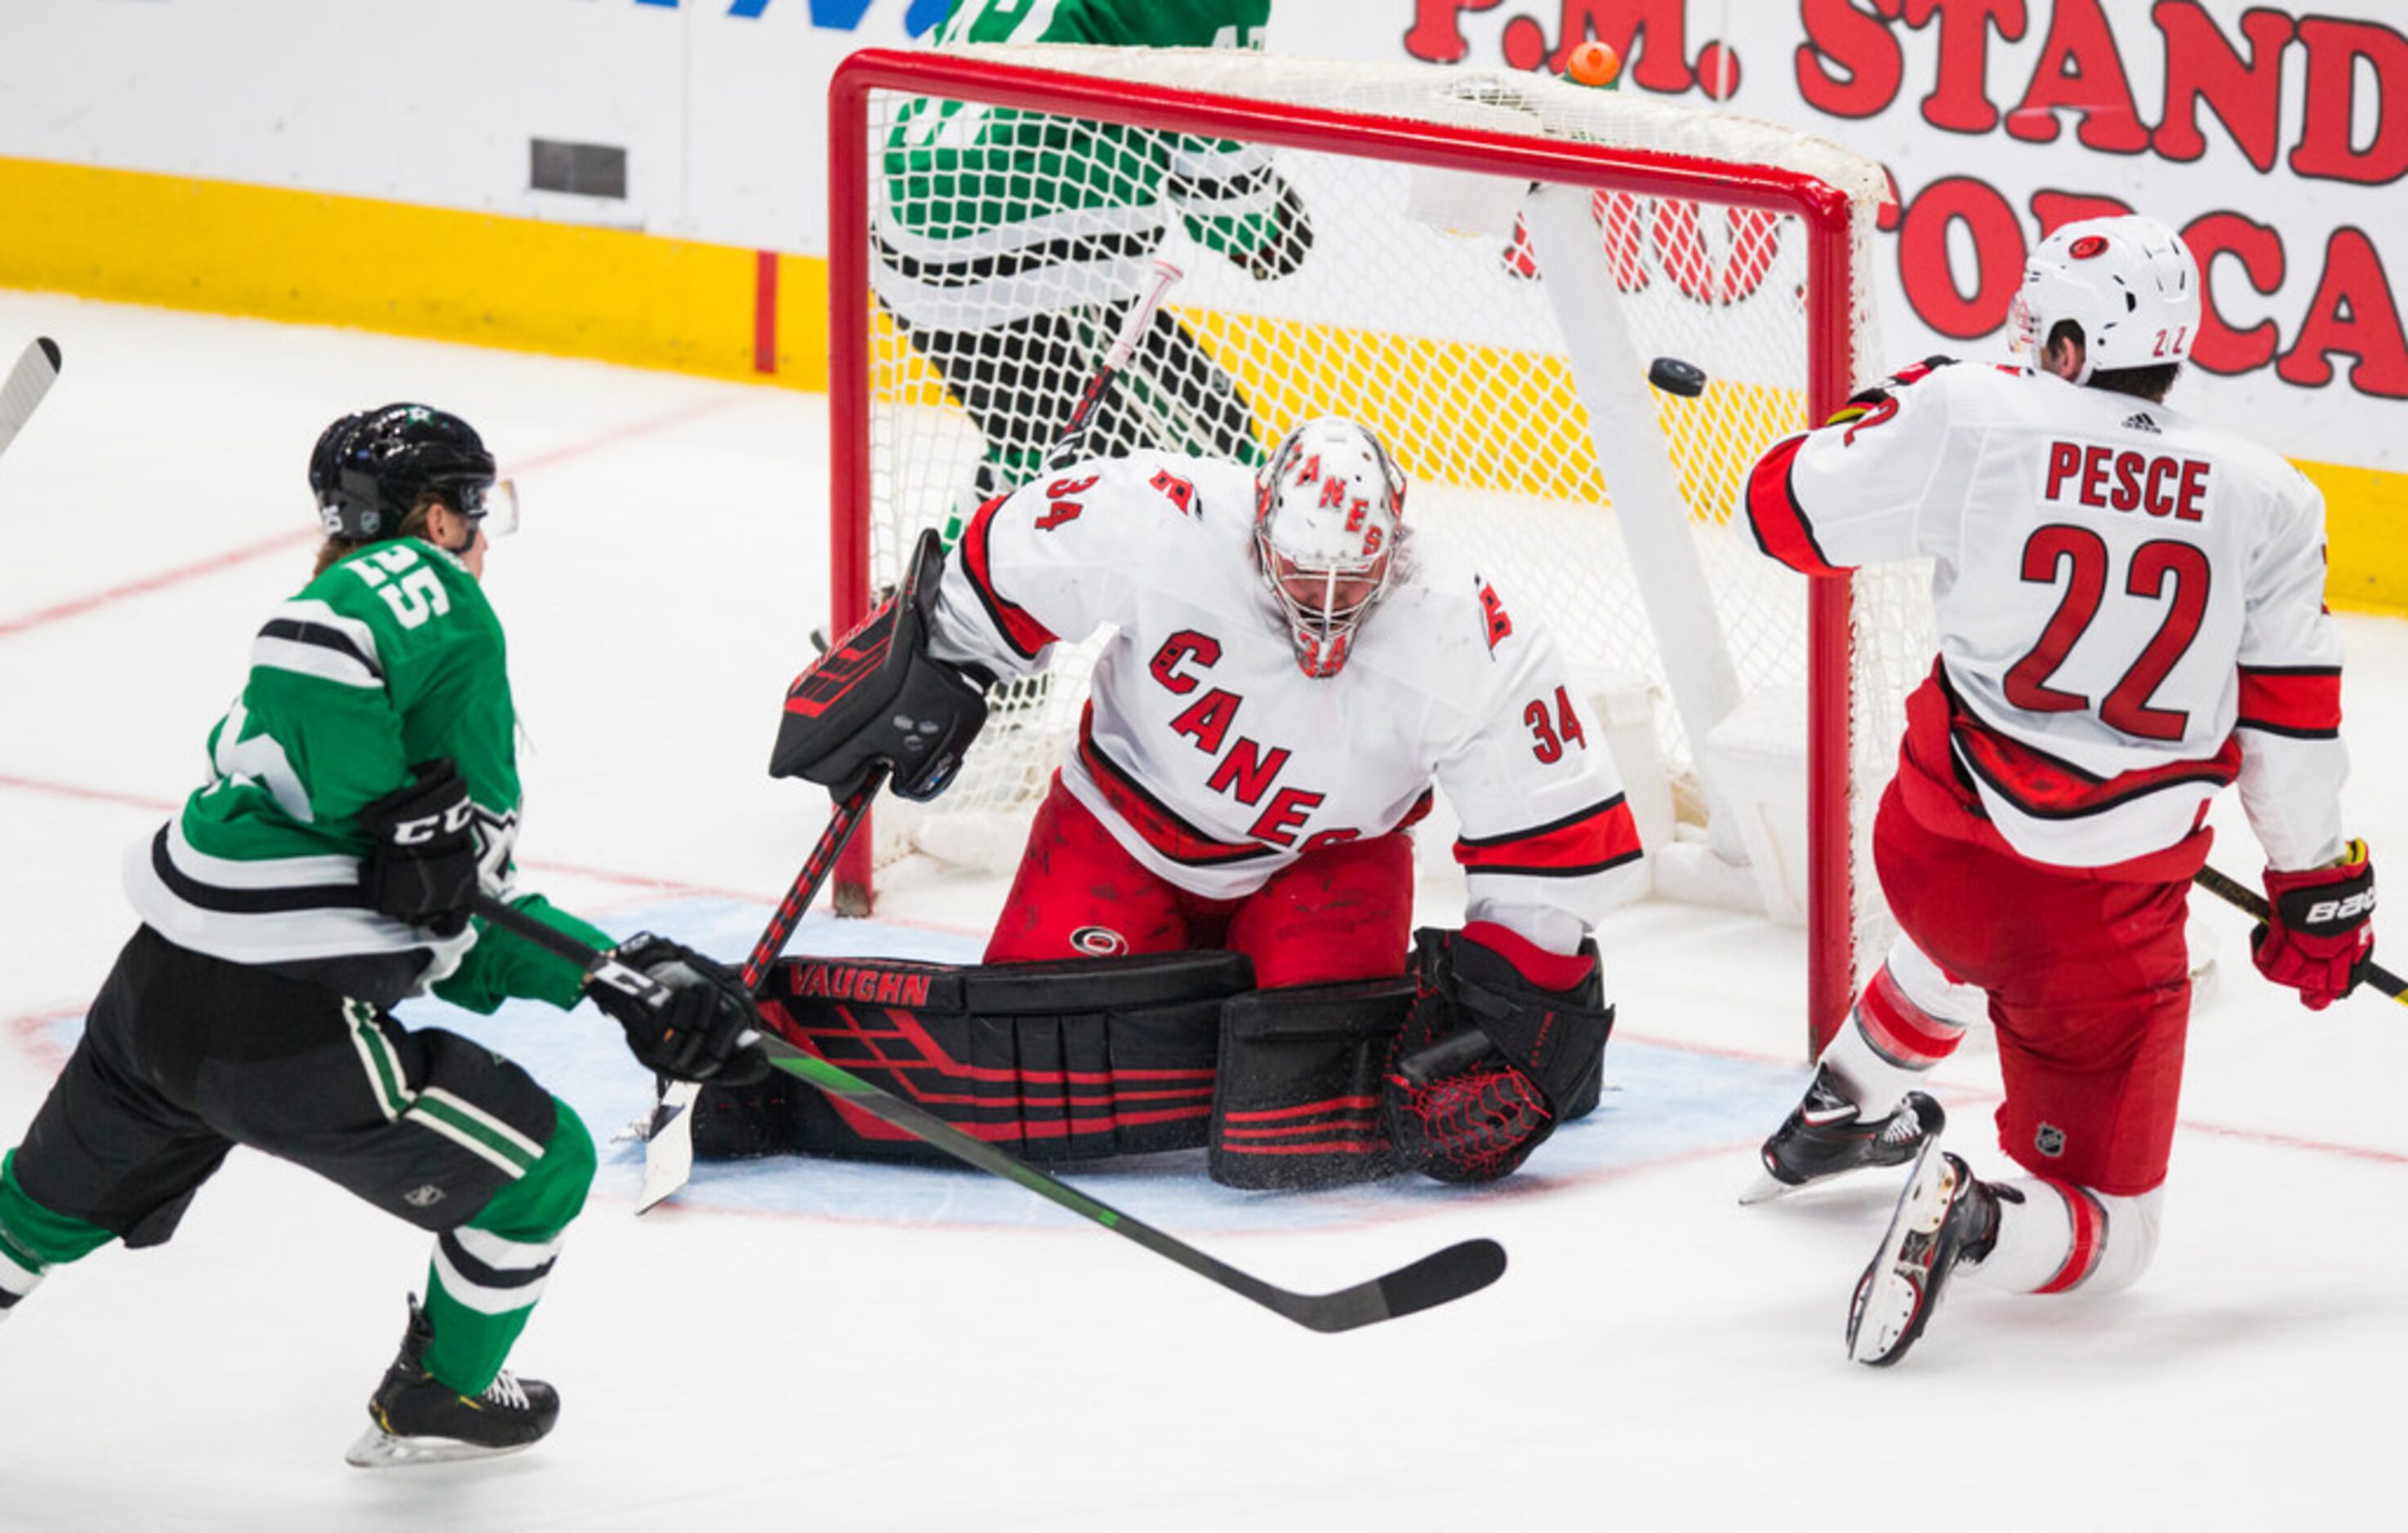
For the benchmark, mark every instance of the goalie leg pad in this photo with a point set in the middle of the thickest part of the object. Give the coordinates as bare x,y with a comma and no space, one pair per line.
1054,1060
1299,1100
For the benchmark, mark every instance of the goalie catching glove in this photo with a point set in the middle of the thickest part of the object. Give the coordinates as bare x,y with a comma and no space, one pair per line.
2316,938
700,1031
876,699
1489,1059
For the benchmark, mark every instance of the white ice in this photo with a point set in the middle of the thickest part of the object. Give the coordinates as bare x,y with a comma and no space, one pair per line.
817,1345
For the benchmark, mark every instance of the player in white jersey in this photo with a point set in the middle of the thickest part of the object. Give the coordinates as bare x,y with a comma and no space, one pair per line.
1291,670
2130,611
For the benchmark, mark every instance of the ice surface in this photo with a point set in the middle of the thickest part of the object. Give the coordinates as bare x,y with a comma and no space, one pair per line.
839,1347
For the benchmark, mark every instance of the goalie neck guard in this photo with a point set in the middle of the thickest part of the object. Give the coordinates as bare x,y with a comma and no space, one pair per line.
1328,512
2130,283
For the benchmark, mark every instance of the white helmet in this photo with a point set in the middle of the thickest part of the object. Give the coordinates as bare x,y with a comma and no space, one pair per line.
2130,283
1328,516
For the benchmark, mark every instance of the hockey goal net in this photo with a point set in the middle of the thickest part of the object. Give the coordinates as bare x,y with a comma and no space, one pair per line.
1480,266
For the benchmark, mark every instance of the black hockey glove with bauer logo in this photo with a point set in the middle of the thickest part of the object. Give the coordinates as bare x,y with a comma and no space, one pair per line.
422,859
698,1033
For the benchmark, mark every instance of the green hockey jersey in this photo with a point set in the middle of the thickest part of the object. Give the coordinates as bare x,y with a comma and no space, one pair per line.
986,215
390,657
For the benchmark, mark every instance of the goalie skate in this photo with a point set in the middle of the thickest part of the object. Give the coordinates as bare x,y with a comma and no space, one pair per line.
1827,1136
1945,1216
414,1418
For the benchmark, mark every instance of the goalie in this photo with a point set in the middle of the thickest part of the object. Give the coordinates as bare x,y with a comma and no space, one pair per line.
1291,672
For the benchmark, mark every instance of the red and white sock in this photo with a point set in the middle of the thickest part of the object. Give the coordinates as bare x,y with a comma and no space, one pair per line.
1910,1017
2060,1238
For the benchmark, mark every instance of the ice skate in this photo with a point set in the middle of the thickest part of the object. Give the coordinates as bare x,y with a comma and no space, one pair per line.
1945,1216
414,1418
1827,1134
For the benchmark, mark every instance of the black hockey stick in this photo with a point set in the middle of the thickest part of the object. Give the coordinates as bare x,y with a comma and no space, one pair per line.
2241,897
668,1144
1436,1279
1123,348
28,381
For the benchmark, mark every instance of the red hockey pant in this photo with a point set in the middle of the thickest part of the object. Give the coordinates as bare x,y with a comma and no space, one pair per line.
2090,987
1341,912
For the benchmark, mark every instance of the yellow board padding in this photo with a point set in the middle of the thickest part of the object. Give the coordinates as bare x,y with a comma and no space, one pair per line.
2366,535
1476,415
315,258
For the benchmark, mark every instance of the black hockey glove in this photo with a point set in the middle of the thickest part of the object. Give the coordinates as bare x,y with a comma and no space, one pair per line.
1486,1062
879,699
699,1032
422,864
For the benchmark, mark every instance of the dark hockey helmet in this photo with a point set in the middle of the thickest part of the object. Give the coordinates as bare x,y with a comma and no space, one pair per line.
369,469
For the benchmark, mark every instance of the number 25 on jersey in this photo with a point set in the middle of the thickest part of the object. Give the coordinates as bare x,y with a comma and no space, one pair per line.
405,581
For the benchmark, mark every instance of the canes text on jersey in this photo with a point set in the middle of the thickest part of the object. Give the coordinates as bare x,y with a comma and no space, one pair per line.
1245,771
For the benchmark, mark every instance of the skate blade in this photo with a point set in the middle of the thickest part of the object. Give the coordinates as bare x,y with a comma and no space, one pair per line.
1766,1187
1889,1296
379,1449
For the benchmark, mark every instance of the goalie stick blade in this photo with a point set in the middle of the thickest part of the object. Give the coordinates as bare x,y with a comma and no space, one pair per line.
1440,1278
28,381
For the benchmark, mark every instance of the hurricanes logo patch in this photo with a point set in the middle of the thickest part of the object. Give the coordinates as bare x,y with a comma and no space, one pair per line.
2049,1140
1099,942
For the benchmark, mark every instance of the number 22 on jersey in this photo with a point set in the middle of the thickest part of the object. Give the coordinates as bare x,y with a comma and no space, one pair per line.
2084,554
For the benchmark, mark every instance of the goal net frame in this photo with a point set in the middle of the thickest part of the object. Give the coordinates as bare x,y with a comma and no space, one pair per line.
1831,301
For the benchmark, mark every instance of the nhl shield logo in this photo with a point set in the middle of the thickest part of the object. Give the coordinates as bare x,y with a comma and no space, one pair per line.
2049,1140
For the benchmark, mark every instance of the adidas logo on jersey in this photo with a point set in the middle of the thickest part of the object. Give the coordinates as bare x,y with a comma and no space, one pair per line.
2141,422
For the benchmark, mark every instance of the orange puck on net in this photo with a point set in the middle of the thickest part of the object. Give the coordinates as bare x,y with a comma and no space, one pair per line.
1592,64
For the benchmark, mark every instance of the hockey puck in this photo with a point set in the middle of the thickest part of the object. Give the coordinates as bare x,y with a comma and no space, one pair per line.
1673,376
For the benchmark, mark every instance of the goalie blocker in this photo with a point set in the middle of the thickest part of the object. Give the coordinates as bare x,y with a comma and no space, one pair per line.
876,699
1086,1059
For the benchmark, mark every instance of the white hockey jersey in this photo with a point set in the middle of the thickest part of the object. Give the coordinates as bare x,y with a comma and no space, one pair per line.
2131,604
1216,761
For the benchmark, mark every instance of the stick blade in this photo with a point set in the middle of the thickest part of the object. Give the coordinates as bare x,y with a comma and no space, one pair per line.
27,383
669,1148
1440,1278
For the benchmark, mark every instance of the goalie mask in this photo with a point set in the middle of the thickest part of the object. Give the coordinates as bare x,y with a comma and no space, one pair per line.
1328,516
2130,283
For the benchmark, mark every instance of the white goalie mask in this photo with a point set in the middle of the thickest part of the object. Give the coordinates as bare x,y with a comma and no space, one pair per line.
1327,517
2130,283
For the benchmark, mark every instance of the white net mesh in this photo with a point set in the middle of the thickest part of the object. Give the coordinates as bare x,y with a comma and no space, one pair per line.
1007,246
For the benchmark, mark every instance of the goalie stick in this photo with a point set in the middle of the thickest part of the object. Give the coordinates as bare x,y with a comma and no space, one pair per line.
1464,1268
2242,898
28,381
668,1137
668,1142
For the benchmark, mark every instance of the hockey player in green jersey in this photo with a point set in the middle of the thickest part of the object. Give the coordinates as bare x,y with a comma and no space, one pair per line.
1008,244
361,792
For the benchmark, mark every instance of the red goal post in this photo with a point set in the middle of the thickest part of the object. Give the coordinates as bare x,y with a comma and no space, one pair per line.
1276,108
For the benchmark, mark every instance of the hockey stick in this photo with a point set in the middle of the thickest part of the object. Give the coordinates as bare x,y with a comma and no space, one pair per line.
28,381
1132,334
2242,898
668,1142
668,1138
1442,1276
